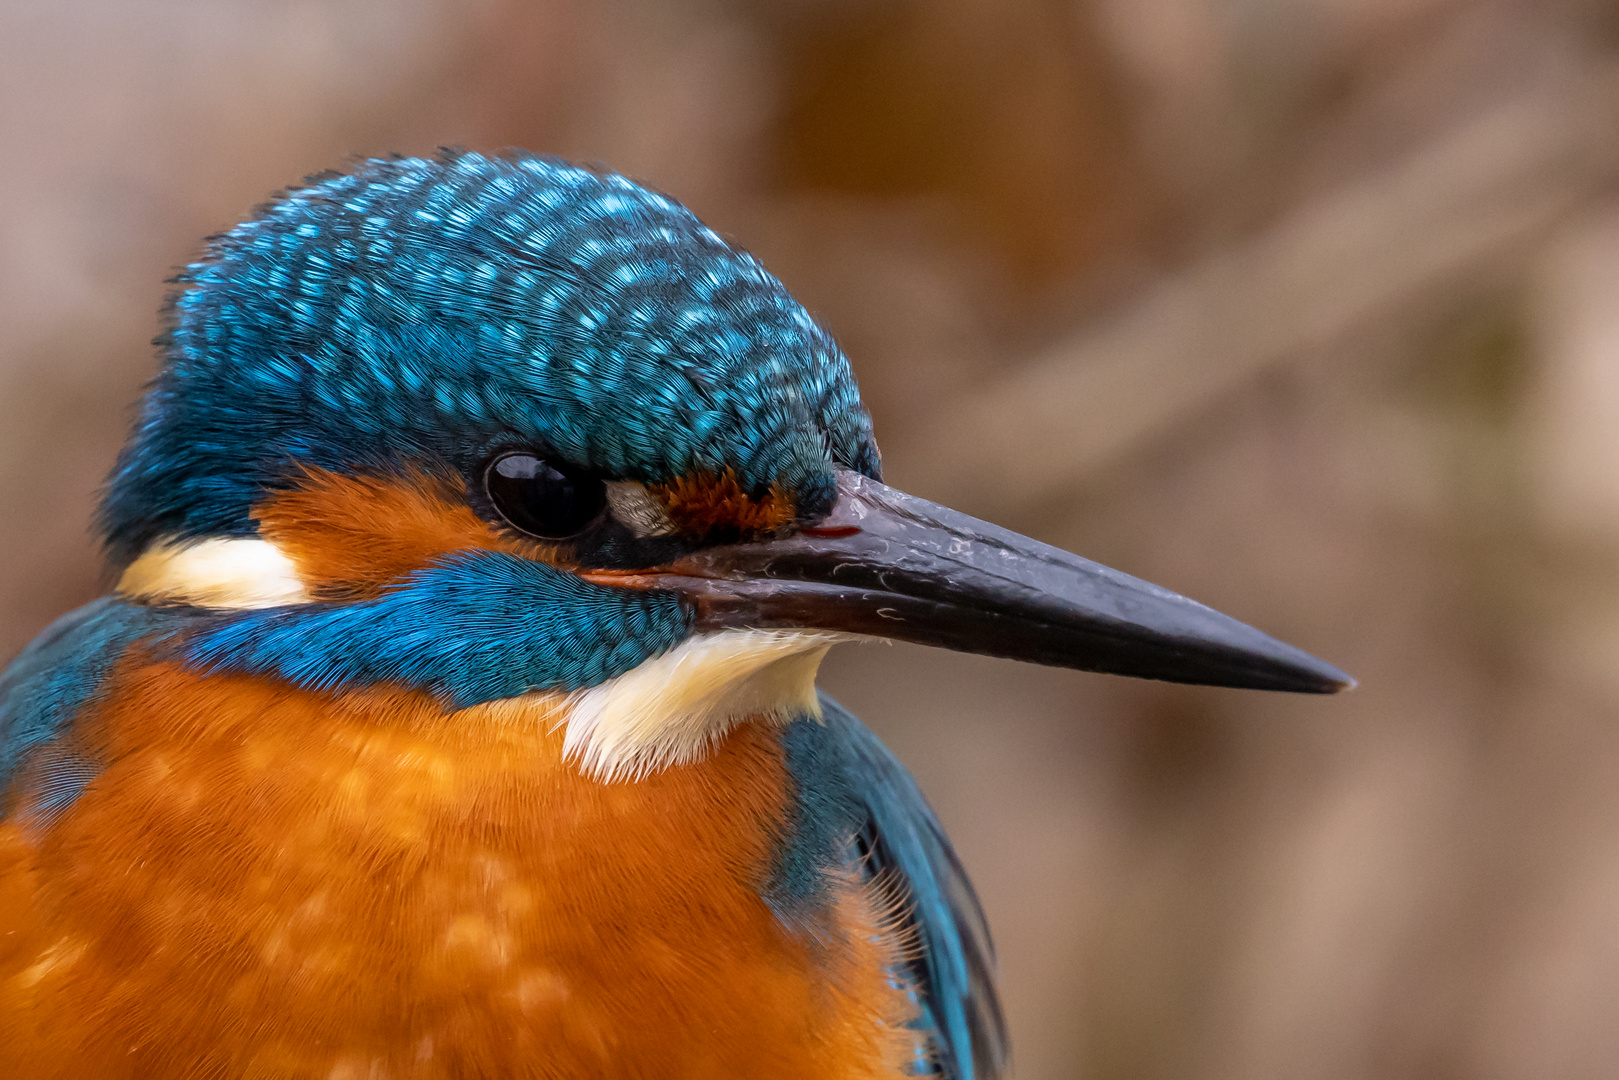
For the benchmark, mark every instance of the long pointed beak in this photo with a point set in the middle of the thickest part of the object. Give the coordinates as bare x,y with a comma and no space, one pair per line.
888,564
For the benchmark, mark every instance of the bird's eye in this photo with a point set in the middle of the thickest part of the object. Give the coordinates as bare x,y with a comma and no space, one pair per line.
543,498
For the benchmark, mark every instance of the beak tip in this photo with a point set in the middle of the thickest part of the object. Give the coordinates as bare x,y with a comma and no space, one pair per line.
1322,678
1275,665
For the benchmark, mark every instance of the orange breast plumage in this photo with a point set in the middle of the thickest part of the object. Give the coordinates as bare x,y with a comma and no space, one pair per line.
269,882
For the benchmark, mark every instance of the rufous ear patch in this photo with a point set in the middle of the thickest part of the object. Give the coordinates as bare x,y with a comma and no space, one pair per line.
352,535
717,506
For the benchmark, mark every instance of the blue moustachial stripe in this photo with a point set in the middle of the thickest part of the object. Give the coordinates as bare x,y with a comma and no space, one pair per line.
434,309
472,628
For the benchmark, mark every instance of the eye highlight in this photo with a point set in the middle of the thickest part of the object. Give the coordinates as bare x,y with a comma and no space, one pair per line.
543,498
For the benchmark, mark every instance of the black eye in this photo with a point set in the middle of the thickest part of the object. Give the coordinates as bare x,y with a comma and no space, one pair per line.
543,498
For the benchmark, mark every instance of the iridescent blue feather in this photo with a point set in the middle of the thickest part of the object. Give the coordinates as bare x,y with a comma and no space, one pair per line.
471,628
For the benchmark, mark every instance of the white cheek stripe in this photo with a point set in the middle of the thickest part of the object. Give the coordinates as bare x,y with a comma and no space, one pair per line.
222,572
672,709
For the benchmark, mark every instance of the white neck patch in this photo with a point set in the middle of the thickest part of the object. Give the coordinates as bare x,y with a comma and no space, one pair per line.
221,572
673,709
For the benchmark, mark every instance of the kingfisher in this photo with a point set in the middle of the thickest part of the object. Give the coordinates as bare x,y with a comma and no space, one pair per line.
454,712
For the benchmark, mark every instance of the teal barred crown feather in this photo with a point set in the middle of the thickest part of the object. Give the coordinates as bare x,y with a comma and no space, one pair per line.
420,310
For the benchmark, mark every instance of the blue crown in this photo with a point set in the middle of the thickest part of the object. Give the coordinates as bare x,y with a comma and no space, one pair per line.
428,311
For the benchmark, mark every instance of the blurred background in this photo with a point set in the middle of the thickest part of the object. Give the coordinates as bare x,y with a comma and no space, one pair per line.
1307,308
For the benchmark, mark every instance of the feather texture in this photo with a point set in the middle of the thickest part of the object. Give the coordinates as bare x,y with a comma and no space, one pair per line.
474,627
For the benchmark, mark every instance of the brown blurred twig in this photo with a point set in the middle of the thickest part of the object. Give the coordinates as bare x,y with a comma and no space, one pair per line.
1475,196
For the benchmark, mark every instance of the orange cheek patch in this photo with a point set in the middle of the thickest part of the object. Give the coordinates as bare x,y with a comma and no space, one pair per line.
705,504
351,536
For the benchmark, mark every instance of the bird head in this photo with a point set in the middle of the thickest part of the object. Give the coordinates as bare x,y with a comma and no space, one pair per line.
498,427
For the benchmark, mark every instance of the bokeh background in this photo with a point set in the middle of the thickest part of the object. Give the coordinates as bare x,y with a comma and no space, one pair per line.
1308,308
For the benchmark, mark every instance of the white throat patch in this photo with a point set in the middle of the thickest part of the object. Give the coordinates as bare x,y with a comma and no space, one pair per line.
222,572
672,709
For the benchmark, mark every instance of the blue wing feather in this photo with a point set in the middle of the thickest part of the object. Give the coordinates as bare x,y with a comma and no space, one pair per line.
47,685
953,971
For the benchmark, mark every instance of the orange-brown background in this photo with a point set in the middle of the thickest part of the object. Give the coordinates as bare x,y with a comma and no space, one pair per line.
1309,308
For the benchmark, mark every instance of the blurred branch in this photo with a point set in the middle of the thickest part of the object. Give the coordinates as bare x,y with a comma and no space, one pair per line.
1471,198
